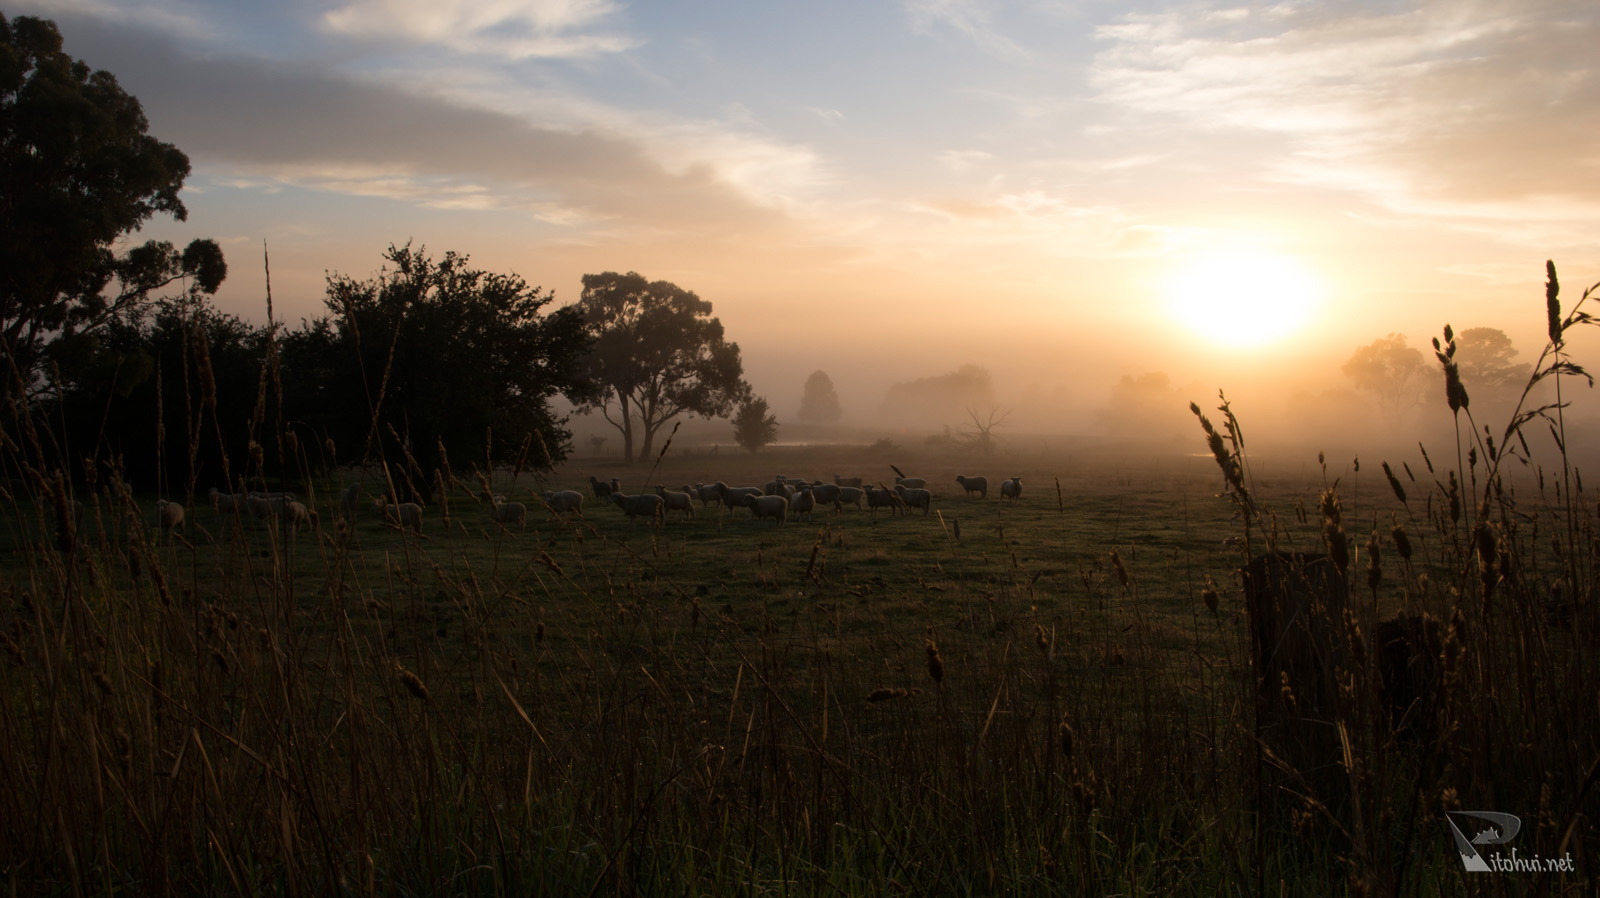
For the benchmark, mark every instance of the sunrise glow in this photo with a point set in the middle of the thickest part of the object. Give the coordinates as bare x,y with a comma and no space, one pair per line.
1243,299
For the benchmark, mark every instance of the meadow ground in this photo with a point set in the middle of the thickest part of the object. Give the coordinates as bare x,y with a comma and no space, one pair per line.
1049,695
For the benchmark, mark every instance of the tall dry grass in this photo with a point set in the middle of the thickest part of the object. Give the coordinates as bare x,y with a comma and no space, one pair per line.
577,710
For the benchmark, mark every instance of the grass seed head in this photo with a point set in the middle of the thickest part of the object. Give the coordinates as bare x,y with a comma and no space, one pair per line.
413,683
935,663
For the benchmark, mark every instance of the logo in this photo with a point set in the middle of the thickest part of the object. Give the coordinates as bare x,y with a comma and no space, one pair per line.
1491,828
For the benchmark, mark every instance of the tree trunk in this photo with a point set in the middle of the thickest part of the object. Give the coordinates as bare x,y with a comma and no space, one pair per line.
626,426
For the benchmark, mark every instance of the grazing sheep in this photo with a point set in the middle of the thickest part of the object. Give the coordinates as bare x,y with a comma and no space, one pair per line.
602,490
827,493
736,496
911,483
563,501
643,504
503,512
406,515
979,485
850,495
673,500
350,501
915,498
169,515
1011,489
706,494
883,498
847,481
298,514
227,503
262,494
774,507
803,502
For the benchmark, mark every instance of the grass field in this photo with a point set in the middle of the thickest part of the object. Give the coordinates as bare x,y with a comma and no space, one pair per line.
853,703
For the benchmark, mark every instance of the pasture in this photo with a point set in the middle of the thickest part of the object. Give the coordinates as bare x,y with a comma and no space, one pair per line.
1042,696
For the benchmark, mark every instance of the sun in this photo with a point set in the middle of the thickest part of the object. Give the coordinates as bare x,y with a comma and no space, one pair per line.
1243,299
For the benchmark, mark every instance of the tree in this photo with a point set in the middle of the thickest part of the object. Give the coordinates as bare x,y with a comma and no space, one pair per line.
980,433
1484,355
819,404
657,354
78,172
441,352
753,427
1391,371
941,398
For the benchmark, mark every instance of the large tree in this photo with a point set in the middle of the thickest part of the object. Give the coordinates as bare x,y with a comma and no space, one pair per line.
657,354
819,404
441,352
754,427
1485,355
78,172
1392,371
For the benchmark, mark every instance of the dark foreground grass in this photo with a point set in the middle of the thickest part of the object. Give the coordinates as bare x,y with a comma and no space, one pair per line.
1063,698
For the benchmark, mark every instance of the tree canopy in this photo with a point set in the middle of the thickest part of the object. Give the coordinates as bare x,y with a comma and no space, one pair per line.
78,172
819,404
1485,355
754,426
441,352
1391,371
657,354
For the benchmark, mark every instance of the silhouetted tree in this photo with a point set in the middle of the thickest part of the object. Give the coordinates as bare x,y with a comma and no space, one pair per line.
1484,355
753,427
657,354
472,352
819,404
1391,371
77,173
980,433
943,397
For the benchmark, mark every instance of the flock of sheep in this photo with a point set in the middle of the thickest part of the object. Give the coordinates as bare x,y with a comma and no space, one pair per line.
780,500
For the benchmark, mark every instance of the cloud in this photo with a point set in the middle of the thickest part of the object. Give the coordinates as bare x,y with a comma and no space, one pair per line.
1457,111
515,29
970,19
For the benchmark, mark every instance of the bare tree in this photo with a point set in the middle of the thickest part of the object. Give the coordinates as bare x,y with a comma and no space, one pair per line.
981,433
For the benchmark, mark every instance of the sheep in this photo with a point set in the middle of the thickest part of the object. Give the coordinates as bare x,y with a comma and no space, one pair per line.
350,501
641,504
803,502
226,504
883,498
563,501
706,494
406,515
847,481
850,495
1011,489
673,500
827,493
736,496
298,514
261,494
774,507
979,485
602,490
915,498
169,515
911,483
503,512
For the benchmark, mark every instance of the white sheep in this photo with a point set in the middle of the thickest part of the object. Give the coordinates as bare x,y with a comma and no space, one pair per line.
736,496
673,500
915,498
774,507
225,504
169,515
911,483
847,481
850,495
503,512
298,514
1011,489
406,515
645,504
562,501
803,502
979,485
883,498
706,494
827,493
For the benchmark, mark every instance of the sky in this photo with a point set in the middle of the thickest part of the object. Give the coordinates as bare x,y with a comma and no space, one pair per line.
1064,193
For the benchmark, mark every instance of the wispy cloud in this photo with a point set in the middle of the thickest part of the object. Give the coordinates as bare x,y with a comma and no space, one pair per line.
971,19
1453,110
516,29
